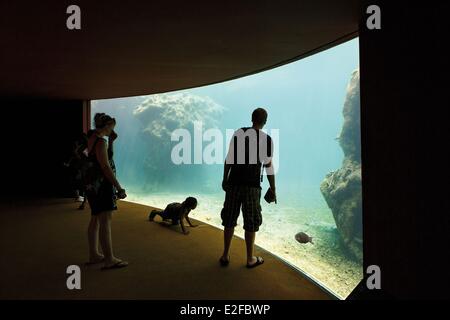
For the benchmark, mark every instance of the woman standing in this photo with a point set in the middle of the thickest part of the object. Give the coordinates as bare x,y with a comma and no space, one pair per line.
101,193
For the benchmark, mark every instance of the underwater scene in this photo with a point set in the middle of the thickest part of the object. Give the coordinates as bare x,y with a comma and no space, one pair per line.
173,145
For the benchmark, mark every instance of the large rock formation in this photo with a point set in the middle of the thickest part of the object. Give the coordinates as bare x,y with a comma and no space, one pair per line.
160,115
342,188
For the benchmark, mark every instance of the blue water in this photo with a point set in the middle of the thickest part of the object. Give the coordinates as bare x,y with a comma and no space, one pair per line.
304,101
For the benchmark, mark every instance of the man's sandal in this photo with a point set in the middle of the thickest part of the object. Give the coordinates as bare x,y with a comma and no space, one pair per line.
259,261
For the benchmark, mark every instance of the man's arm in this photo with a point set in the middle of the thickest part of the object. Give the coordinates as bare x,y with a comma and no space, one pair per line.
268,165
271,178
226,172
270,175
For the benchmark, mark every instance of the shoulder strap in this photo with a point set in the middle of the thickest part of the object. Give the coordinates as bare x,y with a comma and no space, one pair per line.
93,146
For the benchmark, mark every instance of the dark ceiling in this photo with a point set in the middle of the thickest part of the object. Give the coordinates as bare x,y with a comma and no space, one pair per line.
141,47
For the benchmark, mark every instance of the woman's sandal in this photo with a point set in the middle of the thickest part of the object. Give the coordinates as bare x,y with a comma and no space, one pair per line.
259,261
223,262
91,263
117,265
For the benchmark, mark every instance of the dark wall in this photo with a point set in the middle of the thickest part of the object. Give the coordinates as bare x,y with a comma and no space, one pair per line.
38,136
404,101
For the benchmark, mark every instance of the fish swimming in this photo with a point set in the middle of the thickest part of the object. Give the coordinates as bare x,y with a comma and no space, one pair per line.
303,238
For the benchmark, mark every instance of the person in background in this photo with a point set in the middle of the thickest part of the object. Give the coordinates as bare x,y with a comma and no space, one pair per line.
75,164
81,155
177,213
101,192
242,184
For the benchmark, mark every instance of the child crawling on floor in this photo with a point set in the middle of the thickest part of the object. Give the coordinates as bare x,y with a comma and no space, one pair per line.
177,212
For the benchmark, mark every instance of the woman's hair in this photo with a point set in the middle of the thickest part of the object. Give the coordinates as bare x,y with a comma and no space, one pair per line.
101,120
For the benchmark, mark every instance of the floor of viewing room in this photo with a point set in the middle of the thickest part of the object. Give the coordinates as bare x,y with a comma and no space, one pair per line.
325,261
39,239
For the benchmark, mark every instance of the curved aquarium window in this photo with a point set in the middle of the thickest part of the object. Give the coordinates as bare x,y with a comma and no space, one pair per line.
172,145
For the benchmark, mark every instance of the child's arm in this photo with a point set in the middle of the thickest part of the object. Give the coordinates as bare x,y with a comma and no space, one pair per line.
183,229
190,223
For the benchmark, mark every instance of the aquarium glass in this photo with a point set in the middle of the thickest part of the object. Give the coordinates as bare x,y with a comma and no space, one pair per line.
313,118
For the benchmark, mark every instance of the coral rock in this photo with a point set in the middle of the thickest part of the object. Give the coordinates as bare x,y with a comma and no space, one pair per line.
342,188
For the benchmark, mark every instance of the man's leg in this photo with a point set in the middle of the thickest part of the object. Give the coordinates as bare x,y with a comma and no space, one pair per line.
227,237
229,215
251,211
249,242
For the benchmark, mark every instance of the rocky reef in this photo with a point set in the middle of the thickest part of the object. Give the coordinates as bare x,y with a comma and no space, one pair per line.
342,188
160,115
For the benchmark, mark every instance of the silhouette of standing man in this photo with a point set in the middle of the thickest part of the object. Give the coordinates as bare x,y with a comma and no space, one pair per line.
250,150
